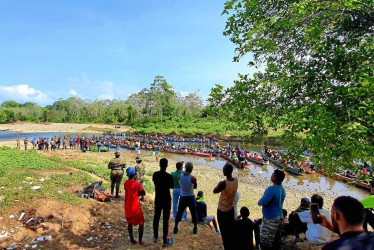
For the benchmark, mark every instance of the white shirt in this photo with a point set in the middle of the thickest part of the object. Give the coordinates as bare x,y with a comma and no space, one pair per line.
316,234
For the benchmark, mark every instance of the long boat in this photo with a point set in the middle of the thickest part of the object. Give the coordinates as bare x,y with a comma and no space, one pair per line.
201,154
235,163
293,171
190,141
259,161
276,163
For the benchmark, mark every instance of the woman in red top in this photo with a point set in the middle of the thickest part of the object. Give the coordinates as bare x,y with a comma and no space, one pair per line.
133,211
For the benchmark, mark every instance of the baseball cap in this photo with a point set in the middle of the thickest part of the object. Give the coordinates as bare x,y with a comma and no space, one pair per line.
130,171
305,202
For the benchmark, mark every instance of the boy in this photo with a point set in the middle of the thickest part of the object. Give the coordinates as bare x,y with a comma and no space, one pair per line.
244,228
133,210
202,217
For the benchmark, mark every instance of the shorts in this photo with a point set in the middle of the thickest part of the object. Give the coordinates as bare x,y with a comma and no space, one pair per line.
207,220
268,230
136,219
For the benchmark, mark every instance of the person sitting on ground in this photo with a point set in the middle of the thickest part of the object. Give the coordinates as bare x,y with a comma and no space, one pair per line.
188,183
133,211
368,203
295,225
316,234
272,204
347,216
202,217
244,229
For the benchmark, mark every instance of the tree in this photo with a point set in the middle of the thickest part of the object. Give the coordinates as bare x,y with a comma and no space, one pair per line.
317,83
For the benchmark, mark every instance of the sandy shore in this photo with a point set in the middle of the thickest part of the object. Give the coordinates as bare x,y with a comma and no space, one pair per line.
57,127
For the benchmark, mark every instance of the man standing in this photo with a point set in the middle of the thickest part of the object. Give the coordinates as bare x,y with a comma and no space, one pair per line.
64,143
272,204
347,216
26,142
188,183
140,170
19,143
225,211
177,190
117,166
163,183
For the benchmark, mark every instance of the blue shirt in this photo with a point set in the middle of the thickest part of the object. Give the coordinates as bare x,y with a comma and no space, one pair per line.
272,201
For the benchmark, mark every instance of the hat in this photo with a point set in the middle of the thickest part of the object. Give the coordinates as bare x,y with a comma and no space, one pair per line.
305,202
117,153
138,158
130,171
200,194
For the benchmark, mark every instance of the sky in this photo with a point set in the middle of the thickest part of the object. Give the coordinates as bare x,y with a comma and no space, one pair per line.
111,49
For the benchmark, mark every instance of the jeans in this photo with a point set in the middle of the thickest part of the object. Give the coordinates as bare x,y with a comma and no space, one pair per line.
176,196
99,149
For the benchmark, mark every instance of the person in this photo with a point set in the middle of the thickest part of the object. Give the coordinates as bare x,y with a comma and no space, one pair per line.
368,203
177,190
316,234
140,170
46,144
98,144
202,217
163,183
272,205
347,219
18,143
116,165
225,211
26,142
133,211
295,226
243,230
188,183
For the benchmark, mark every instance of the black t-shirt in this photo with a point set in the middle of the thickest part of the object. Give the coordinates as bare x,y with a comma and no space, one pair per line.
201,211
163,183
243,230
352,240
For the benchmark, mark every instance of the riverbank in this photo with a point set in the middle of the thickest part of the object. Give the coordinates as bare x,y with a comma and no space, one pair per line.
26,127
94,166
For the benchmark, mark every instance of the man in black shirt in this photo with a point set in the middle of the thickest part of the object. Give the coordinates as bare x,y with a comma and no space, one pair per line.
347,216
244,228
163,183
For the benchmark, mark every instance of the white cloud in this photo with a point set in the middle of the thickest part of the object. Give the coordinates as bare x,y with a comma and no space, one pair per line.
23,93
73,92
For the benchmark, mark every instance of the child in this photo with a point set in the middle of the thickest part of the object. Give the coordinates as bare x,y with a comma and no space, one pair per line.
244,228
202,218
133,211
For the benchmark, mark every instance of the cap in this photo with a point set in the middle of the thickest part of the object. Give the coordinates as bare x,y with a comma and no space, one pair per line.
130,171
138,158
200,194
305,202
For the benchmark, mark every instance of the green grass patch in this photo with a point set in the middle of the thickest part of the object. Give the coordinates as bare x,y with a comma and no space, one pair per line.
22,170
91,128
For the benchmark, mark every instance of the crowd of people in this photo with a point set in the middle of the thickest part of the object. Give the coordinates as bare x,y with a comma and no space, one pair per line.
348,217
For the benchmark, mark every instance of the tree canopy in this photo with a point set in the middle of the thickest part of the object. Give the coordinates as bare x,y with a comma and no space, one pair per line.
317,77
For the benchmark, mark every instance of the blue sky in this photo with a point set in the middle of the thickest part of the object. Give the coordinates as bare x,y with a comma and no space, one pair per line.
111,49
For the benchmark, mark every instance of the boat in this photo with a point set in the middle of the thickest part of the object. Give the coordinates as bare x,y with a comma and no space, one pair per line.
293,171
200,154
259,161
190,141
235,163
276,163
362,185
343,178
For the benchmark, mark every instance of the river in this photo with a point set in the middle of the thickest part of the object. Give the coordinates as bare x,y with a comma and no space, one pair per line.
312,183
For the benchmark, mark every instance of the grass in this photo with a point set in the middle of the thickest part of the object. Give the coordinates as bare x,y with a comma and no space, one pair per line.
21,170
91,128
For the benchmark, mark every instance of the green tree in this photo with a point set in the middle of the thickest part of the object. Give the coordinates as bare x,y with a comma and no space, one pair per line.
317,83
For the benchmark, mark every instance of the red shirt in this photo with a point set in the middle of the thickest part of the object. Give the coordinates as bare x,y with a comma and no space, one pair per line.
132,205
